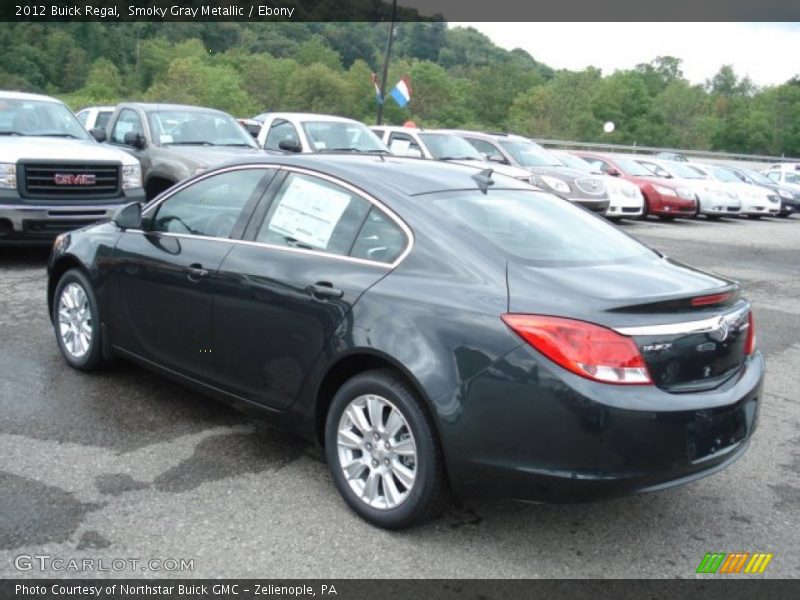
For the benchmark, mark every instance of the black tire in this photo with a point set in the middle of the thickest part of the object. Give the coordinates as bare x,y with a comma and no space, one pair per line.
645,210
754,217
93,357
429,493
666,217
713,217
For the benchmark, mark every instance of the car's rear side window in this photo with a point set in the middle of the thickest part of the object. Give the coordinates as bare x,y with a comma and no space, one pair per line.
536,227
314,214
380,238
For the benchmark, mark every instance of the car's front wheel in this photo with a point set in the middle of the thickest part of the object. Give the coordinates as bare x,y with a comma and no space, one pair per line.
383,452
76,320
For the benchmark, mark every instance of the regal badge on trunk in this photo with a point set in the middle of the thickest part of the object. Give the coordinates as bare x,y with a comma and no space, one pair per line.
720,332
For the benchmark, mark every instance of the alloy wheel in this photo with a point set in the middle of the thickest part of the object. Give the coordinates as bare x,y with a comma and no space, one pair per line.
75,320
377,452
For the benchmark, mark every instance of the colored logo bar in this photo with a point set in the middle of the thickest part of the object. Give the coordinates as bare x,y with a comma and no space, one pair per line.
735,562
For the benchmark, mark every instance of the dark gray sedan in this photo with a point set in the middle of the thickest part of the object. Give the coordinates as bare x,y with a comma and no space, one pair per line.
434,328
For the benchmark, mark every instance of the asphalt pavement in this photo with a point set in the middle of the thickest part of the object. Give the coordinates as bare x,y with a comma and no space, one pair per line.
127,465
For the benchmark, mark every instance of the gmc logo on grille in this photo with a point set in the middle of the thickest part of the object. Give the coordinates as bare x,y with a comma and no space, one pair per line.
74,179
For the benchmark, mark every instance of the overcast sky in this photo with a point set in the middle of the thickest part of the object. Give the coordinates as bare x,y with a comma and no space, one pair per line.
769,53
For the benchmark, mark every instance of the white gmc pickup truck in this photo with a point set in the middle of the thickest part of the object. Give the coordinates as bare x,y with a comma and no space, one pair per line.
54,176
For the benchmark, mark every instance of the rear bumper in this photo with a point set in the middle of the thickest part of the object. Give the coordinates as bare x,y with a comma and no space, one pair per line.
535,433
31,223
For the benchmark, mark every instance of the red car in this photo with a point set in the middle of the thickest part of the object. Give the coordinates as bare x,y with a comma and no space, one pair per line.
661,198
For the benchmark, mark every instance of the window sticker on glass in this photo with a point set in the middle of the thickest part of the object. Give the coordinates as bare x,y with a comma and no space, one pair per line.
165,138
320,145
309,212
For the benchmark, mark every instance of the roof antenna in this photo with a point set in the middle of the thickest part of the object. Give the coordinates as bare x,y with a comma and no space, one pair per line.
484,180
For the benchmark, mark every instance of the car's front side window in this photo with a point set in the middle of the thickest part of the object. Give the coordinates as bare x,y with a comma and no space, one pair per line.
210,207
281,130
487,149
128,122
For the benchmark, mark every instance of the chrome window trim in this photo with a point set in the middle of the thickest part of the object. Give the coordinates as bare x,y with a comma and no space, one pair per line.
686,327
292,169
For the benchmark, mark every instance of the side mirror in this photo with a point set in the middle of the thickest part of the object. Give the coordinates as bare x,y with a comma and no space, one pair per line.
290,146
133,139
128,216
613,171
99,134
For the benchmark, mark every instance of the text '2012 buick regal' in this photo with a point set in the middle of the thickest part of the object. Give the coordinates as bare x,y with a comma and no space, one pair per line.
436,328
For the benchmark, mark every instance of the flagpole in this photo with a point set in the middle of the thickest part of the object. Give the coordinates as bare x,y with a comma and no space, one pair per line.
379,120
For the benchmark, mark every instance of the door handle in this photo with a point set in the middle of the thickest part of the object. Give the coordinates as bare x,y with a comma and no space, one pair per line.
325,289
196,272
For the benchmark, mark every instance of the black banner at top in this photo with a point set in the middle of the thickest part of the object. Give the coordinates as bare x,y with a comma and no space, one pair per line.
265,11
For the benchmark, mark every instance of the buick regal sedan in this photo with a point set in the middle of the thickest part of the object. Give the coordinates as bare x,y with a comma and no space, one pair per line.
435,329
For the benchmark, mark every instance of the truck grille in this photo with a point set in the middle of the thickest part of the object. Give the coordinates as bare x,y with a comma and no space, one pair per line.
66,181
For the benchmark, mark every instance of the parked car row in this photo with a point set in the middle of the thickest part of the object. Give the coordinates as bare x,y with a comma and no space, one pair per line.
151,147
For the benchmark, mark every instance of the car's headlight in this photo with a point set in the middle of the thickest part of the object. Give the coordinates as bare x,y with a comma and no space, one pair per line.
8,176
686,193
664,191
785,195
131,177
555,183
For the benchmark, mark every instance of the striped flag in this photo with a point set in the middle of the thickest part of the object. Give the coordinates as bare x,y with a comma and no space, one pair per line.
374,79
401,93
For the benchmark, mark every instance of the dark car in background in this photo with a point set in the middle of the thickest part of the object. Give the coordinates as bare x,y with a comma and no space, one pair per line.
661,198
790,199
549,173
175,141
433,329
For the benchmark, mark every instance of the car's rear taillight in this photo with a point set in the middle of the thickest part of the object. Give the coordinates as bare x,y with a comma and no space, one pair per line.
750,343
588,350
712,299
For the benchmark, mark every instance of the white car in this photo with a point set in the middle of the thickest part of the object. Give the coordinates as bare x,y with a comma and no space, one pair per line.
315,133
784,177
625,200
756,201
439,145
714,200
93,117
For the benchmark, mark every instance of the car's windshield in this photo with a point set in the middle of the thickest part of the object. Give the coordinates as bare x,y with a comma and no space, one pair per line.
197,128
792,178
444,146
342,136
529,154
631,167
724,175
757,177
684,171
39,118
575,162
530,226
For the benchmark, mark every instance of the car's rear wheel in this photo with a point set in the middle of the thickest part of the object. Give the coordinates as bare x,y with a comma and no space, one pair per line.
383,452
76,320
754,217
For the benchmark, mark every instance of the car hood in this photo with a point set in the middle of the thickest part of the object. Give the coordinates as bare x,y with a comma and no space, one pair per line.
212,156
605,292
507,170
22,148
565,173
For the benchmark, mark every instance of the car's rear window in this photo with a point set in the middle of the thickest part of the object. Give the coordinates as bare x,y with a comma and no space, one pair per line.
536,227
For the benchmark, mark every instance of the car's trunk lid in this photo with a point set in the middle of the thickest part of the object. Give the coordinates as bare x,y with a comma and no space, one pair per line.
687,345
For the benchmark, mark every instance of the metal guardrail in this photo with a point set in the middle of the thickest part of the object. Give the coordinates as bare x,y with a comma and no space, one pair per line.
703,154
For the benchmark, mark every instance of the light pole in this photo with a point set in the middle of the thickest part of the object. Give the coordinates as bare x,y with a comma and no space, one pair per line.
385,74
